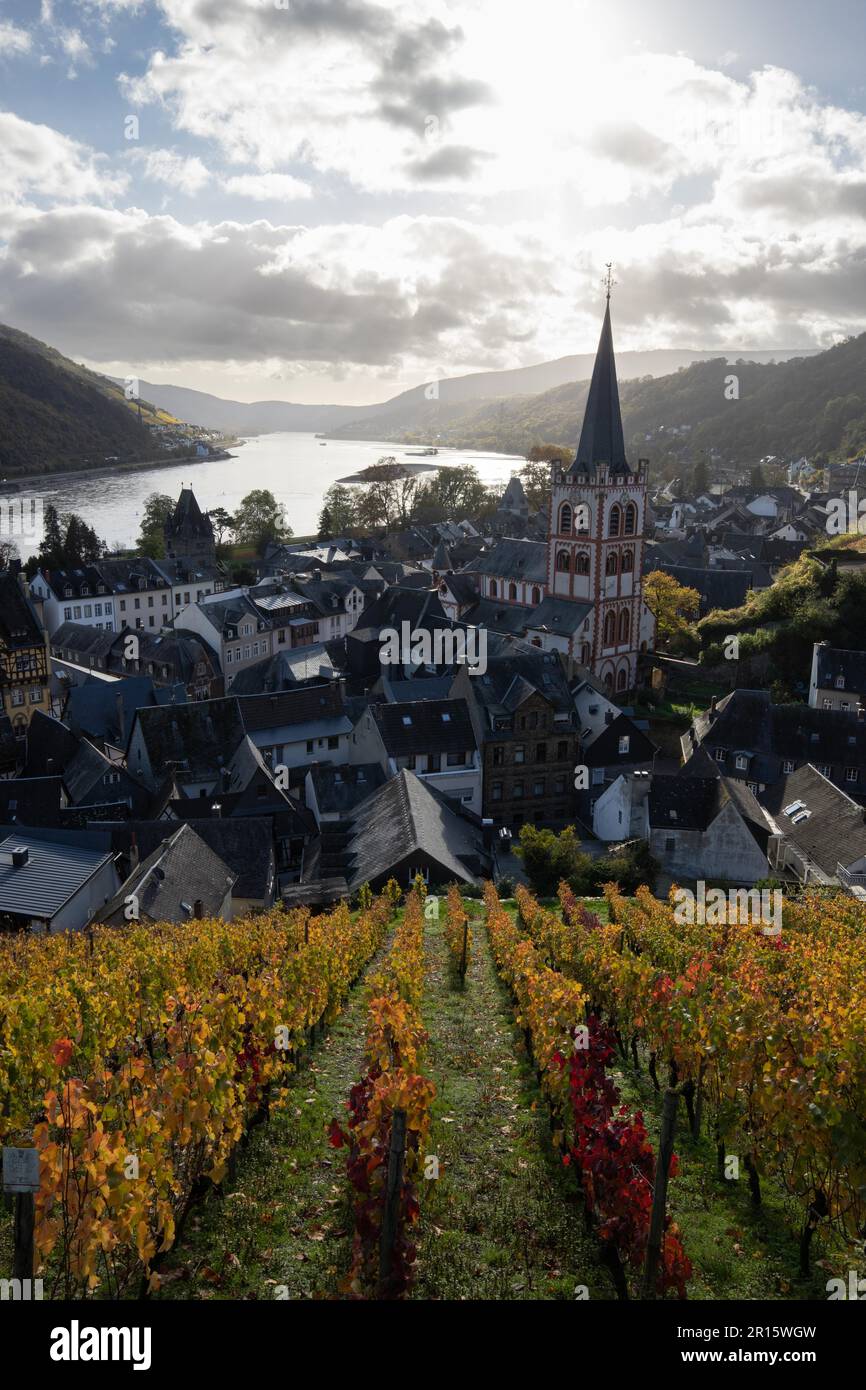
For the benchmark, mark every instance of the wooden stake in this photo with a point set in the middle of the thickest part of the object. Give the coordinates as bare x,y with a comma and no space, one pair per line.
22,1254
660,1191
393,1191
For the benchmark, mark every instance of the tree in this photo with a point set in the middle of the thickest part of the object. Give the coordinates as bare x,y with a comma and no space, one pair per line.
673,606
8,551
550,453
260,519
453,493
700,477
535,477
67,542
158,507
756,477
339,504
221,521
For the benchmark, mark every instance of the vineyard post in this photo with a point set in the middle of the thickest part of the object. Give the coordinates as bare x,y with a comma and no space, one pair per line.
393,1190
660,1191
21,1176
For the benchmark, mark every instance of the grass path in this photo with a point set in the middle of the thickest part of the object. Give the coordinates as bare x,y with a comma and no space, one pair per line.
498,1222
286,1222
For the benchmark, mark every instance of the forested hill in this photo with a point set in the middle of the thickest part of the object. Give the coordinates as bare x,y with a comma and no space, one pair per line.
55,414
808,405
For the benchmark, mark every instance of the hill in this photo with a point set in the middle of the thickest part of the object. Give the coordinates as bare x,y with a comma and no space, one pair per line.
55,414
806,405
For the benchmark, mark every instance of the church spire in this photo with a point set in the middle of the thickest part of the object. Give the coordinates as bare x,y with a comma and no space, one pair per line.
601,438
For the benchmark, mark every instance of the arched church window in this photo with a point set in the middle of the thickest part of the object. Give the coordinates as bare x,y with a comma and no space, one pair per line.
627,561
622,679
611,563
562,562
630,519
536,594
565,519
614,524
512,592
581,565
493,588
610,630
624,625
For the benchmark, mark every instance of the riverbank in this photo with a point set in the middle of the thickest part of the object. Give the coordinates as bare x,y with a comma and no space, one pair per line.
114,469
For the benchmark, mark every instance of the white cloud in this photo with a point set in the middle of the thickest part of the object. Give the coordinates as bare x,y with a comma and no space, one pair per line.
13,40
36,161
268,187
185,174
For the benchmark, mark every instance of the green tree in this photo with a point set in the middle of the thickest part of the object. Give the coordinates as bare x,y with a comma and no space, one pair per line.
221,521
700,477
535,477
260,519
339,504
158,507
756,477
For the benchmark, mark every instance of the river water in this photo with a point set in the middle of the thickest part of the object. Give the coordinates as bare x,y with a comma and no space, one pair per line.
296,468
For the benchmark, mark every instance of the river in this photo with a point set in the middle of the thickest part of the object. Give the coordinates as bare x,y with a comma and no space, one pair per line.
297,468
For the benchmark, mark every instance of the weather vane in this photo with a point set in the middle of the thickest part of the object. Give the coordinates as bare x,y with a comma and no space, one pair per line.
608,280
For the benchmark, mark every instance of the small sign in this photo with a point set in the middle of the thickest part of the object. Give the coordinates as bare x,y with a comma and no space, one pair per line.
20,1170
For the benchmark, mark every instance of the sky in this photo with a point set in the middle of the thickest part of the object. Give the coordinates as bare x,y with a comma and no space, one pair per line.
334,200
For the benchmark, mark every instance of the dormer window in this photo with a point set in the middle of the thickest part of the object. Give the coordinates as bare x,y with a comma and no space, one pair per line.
85,590
840,682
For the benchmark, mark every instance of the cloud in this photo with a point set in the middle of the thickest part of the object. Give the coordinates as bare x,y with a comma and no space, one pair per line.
36,161
185,174
13,40
268,187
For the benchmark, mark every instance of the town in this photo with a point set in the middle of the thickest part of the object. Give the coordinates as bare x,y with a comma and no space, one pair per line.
215,747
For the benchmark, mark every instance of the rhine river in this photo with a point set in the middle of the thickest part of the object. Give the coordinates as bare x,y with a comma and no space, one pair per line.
295,467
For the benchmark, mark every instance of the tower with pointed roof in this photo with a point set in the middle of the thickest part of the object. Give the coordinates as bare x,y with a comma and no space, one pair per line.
189,537
596,540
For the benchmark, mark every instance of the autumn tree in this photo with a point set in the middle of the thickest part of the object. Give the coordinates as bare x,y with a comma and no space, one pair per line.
674,608
535,477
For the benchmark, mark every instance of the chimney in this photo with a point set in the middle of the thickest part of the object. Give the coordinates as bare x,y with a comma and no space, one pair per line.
713,703
133,852
198,909
216,810
861,713
16,855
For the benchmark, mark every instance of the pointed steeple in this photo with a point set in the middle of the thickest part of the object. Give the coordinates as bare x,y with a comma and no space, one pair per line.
601,438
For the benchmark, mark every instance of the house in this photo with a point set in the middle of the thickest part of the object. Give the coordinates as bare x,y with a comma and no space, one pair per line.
402,829
752,740
837,679
611,745
512,571
236,630
286,670
191,743
821,831
529,735
170,658
295,728
78,595
32,801
89,777
180,880
244,844
54,880
333,793
437,741
102,711
24,664
709,828
142,594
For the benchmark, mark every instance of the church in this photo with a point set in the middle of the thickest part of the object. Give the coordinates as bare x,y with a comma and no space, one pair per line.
580,591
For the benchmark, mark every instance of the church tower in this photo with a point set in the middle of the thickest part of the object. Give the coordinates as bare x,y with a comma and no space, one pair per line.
596,546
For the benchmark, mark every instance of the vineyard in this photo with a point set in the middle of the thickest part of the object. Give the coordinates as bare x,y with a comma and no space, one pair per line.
438,1097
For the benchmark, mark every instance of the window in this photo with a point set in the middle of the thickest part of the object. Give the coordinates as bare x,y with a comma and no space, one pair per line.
670,843
498,756
536,595
825,770
88,610
35,694
627,564
123,605
612,563
561,751
67,614
255,648
610,630
541,753
624,743
742,762
97,610
229,657
787,765
150,600
512,592
597,776
581,565
138,603
720,755
517,790
614,524
310,745
77,610
851,774
107,608
456,759
538,788
559,786
840,680
565,519
497,791
17,697
624,625
622,679
520,753
493,589
630,519
562,561
247,652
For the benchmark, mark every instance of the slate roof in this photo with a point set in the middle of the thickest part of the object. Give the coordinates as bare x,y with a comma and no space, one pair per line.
304,705
693,803
836,661
401,818
340,789
243,843
198,733
513,559
834,832
92,708
718,588
168,882
188,520
30,800
497,616
425,726
603,750
60,863
19,625
601,438
558,615
285,670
